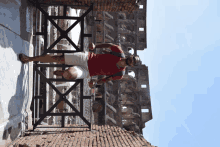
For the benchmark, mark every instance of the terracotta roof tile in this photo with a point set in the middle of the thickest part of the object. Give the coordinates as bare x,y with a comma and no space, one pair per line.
112,137
79,139
109,138
94,142
100,136
90,141
102,142
83,141
140,141
118,142
127,141
122,135
76,138
121,141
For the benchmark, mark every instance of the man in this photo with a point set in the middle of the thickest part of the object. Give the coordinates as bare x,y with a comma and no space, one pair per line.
88,64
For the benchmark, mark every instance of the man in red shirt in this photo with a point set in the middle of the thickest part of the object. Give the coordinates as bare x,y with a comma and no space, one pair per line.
89,64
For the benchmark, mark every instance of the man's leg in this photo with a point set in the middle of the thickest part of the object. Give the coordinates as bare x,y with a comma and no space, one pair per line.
45,58
70,73
59,72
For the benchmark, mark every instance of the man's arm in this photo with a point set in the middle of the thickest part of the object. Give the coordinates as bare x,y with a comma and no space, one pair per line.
104,80
110,49
100,81
104,45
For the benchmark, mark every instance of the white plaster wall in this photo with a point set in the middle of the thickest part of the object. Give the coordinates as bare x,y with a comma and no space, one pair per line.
16,78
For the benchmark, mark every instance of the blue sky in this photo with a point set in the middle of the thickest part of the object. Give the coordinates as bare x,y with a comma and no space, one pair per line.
182,56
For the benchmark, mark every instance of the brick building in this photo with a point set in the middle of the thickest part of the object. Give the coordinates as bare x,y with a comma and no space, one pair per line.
127,101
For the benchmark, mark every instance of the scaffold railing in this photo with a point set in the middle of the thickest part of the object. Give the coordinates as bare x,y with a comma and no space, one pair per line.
48,49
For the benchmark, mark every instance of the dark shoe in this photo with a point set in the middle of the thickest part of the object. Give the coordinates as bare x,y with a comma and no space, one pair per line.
23,58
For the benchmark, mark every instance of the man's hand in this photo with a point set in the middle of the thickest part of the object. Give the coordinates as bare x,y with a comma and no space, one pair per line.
91,83
100,81
91,46
104,80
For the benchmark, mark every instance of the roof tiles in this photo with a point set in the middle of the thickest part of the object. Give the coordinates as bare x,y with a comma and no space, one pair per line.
99,136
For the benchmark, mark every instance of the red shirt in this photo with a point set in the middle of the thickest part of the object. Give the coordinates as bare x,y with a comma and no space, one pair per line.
105,64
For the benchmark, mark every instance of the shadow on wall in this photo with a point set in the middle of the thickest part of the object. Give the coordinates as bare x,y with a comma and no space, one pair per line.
15,105
14,42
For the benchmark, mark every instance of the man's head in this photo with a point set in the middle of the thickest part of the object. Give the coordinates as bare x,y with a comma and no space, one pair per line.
132,60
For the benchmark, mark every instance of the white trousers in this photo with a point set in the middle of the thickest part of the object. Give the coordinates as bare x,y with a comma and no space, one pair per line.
79,60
